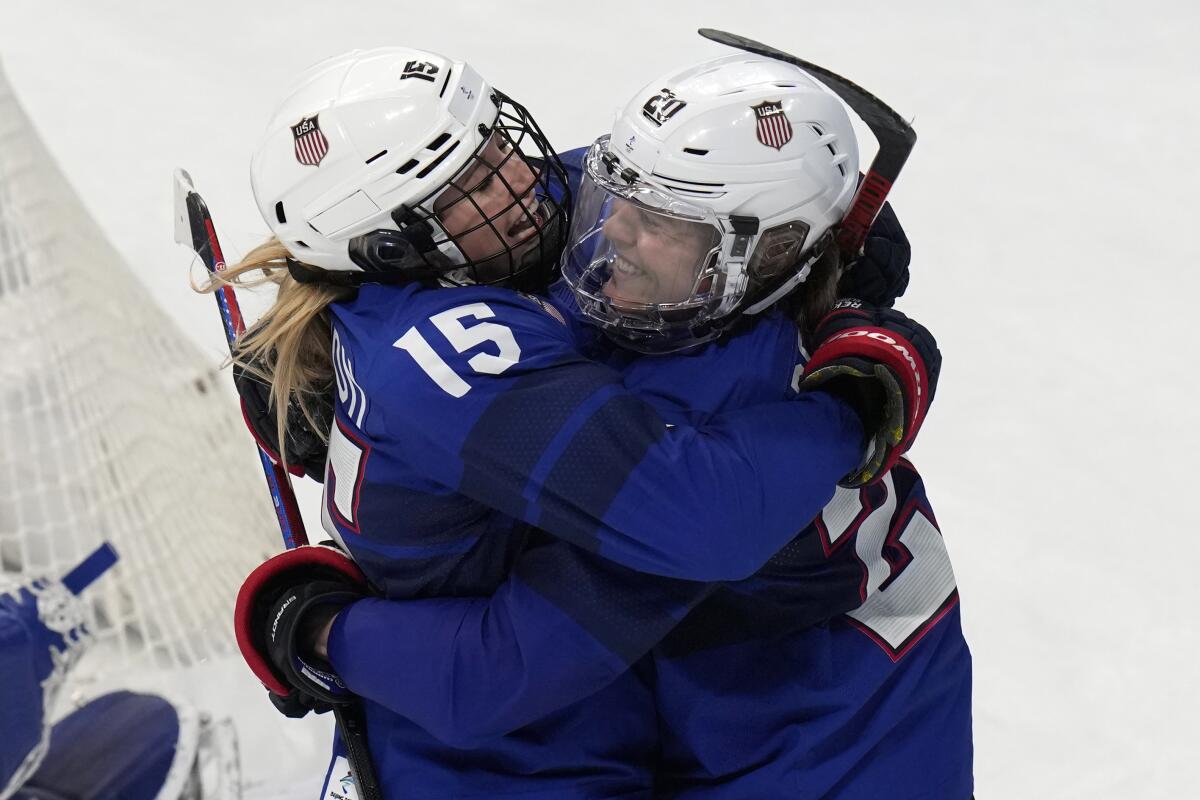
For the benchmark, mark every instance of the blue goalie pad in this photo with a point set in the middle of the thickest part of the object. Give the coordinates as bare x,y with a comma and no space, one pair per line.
121,745
42,635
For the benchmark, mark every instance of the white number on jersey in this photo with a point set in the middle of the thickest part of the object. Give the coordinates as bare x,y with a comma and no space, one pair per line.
462,339
909,582
345,464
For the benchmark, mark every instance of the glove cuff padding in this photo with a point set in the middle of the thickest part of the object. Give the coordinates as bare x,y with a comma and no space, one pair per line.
859,347
868,343
262,589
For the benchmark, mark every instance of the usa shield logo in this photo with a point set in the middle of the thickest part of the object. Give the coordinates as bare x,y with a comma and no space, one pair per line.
774,130
311,144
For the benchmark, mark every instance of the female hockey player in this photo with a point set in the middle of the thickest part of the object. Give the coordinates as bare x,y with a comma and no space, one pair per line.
838,670
526,447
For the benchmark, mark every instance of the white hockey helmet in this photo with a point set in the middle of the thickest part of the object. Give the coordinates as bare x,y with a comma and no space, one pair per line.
712,197
354,159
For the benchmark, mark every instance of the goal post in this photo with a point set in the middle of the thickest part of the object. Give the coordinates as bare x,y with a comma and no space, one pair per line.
114,427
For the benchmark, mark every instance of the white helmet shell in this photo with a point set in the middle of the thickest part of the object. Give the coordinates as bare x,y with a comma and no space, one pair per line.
360,135
745,135
755,146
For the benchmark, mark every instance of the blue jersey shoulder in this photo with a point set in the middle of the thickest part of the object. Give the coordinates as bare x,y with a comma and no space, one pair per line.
755,365
397,349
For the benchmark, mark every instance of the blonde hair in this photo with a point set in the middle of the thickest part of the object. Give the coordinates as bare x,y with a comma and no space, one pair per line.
288,347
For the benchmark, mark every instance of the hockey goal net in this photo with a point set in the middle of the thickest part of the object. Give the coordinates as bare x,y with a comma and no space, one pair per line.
113,427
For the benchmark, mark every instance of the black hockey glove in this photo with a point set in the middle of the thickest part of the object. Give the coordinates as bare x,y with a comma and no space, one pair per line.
281,606
306,447
886,367
880,274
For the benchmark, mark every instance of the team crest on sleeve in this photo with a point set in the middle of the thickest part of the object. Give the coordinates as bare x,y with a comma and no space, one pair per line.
419,69
662,106
311,144
774,130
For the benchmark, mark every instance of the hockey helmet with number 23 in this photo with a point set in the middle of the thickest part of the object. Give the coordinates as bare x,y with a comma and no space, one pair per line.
712,197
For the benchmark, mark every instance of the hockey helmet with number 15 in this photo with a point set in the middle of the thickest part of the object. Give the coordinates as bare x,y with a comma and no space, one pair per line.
712,197
398,164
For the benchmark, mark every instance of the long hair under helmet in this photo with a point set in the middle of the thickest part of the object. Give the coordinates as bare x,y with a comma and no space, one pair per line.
712,198
371,150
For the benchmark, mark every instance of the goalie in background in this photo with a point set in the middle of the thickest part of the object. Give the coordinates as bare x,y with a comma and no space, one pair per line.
122,744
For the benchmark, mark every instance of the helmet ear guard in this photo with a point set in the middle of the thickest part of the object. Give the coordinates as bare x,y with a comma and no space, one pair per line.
382,256
410,252
385,254
785,265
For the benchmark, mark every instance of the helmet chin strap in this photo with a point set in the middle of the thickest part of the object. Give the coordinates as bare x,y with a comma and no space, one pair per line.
789,285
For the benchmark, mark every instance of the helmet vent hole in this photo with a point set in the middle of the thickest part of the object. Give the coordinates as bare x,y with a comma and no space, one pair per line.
695,152
432,165
301,244
377,156
279,215
691,188
832,151
438,142
408,166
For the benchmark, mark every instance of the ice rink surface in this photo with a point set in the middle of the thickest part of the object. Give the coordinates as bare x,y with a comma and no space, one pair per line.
1051,203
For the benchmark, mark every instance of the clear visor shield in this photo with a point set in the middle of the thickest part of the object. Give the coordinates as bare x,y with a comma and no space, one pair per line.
639,258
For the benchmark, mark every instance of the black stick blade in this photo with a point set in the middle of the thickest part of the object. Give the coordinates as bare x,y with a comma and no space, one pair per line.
873,111
895,136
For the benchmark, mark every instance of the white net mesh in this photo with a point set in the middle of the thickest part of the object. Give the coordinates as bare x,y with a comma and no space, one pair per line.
112,428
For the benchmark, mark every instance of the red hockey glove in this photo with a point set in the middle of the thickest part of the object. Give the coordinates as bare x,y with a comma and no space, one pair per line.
281,605
886,367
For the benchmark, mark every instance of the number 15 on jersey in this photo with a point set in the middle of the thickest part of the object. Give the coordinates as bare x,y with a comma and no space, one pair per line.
462,338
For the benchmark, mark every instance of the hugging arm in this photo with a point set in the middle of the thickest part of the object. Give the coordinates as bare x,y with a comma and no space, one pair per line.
562,626
559,442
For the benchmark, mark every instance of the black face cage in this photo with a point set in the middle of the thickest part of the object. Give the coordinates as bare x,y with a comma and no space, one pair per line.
423,250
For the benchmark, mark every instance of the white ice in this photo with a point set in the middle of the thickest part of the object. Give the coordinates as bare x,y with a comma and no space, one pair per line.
1050,202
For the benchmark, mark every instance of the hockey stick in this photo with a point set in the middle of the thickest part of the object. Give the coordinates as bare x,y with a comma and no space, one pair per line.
194,228
895,136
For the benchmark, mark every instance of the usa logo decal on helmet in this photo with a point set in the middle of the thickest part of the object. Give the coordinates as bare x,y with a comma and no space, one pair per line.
774,130
311,144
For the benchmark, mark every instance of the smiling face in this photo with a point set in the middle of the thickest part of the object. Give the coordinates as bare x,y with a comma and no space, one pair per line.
657,257
490,209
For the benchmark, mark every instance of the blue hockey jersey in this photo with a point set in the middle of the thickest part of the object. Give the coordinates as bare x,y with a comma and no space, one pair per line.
765,685
455,402
566,624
